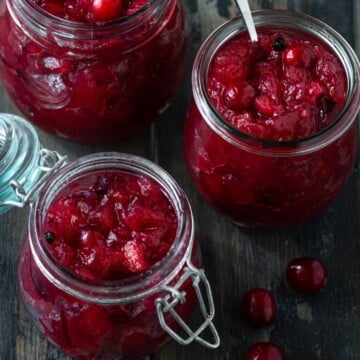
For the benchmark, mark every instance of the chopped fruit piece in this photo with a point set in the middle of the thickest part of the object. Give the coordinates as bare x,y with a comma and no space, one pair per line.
106,10
140,218
306,275
299,55
264,105
239,98
90,238
265,351
259,307
134,256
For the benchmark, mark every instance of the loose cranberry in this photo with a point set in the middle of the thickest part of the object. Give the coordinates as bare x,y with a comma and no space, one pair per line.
106,10
265,351
306,275
259,307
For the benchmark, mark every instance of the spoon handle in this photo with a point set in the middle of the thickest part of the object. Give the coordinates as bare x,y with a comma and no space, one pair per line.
249,22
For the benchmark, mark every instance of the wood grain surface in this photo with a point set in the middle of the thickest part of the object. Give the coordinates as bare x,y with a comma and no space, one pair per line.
325,327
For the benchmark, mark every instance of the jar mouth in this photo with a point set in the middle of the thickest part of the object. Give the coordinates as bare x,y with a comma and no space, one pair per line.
63,31
89,26
114,291
283,20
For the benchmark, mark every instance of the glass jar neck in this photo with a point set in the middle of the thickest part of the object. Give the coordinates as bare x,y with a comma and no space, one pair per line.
79,39
284,20
133,288
19,149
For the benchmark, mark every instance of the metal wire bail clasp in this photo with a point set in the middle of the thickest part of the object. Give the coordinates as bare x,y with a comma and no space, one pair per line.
48,162
167,303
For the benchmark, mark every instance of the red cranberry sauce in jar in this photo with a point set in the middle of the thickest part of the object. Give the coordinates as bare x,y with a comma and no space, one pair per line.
287,89
89,70
117,227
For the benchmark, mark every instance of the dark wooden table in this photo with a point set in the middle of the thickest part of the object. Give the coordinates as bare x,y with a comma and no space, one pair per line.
326,326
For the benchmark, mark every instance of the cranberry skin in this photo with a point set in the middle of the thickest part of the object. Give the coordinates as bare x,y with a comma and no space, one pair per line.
265,351
259,307
306,275
106,10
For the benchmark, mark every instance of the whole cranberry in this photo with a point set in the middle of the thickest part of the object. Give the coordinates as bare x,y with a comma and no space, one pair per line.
259,307
306,275
265,351
103,10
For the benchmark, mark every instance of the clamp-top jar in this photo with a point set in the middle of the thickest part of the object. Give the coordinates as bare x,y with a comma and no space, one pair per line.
269,182
92,82
90,273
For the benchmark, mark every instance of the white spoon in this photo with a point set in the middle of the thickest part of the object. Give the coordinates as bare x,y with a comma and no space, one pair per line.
249,22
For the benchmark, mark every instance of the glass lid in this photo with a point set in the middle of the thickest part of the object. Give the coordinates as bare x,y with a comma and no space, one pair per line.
19,150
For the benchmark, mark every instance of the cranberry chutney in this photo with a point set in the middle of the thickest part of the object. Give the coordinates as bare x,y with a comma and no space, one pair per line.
271,136
89,70
107,249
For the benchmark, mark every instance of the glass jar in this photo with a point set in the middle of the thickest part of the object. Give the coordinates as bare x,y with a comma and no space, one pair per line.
257,182
92,83
110,319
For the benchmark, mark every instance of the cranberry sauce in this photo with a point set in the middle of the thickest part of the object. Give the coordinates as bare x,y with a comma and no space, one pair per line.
284,88
115,227
91,79
118,227
288,88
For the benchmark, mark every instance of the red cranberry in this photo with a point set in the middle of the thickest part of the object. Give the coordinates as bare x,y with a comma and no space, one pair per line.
105,10
299,56
259,307
264,105
306,275
239,98
265,351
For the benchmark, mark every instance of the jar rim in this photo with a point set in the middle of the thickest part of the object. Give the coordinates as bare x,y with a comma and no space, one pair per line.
128,289
38,10
289,20
39,21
